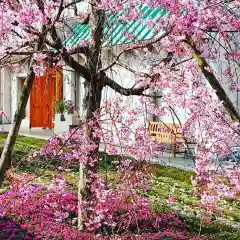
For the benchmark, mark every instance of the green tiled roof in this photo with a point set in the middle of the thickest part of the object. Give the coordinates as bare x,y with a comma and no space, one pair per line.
117,30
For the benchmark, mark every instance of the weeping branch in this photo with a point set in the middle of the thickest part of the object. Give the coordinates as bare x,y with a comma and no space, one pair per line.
221,94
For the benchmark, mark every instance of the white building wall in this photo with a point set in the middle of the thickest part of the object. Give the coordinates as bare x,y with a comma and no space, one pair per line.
68,83
15,88
11,91
79,95
16,93
126,78
73,85
6,99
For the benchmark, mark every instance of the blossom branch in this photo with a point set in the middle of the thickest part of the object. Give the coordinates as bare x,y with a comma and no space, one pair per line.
220,92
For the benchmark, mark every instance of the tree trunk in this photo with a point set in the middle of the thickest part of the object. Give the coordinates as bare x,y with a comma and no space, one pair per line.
92,100
5,160
87,174
81,185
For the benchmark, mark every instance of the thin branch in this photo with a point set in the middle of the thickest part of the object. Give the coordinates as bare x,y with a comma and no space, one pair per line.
218,31
67,57
80,49
60,9
183,61
27,52
17,34
126,67
41,6
72,3
134,48
150,96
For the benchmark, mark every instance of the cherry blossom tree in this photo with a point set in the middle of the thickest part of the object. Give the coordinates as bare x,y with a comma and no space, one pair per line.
193,35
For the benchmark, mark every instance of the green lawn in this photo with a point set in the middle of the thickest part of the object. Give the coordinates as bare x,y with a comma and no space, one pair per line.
166,181
23,145
176,182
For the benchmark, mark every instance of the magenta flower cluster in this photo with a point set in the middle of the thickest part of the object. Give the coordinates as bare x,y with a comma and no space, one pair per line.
70,106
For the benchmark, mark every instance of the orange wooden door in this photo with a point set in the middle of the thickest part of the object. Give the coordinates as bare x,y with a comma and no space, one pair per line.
42,99
39,104
56,95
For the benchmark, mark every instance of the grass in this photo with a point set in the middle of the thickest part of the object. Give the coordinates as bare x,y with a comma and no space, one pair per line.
213,231
166,180
174,173
23,145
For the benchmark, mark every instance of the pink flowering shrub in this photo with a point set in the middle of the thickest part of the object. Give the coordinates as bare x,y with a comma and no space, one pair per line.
45,210
117,208
117,205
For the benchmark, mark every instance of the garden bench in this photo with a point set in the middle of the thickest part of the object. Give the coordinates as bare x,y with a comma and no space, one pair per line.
168,133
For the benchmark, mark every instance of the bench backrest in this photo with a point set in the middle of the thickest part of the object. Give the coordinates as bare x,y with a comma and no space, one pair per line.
164,132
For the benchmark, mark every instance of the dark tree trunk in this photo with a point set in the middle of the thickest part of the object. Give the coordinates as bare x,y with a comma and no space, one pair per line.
5,160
